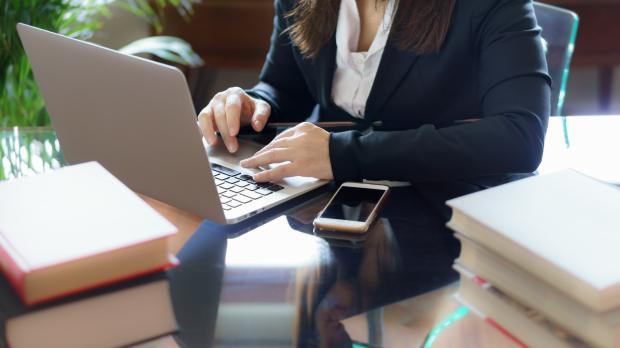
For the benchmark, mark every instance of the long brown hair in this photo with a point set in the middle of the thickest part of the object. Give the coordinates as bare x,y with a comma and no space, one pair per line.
418,25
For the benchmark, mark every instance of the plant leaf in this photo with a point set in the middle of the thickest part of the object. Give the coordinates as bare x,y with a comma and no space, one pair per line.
21,103
165,47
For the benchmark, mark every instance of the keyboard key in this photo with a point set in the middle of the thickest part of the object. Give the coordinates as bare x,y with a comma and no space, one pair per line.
234,204
225,200
264,192
228,194
232,180
224,170
252,187
226,207
217,181
220,190
237,189
222,176
242,183
275,188
226,185
251,194
263,184
245,177
241,199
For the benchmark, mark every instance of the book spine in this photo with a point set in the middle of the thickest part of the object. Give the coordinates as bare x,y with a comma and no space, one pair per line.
173,262
12,267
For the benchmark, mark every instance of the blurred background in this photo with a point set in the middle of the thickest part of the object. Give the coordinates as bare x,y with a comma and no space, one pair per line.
232,38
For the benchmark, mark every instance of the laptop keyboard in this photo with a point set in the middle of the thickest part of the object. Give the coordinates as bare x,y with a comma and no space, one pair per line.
236,188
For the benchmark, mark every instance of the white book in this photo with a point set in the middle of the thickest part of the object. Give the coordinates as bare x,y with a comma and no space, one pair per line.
563,228
595,328
113,317
511,317
77,228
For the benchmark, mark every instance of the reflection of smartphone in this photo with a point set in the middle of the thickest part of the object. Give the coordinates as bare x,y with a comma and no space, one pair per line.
350,240
353,208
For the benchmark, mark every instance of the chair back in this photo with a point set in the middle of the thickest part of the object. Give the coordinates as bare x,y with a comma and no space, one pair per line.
559,31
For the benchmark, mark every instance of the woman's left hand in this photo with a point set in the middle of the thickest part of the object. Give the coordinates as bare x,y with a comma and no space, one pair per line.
303,150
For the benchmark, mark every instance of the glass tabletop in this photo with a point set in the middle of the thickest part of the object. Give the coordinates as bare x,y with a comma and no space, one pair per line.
284,284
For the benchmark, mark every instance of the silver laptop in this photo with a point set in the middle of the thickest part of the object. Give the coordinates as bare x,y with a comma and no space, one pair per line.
136,118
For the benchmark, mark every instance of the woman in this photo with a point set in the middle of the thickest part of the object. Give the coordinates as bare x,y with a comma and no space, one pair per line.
424,68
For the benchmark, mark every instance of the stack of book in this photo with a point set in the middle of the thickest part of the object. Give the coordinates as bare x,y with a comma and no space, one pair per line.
83,262
539,259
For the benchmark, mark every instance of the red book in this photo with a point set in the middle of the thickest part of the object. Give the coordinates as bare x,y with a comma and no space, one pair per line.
74,229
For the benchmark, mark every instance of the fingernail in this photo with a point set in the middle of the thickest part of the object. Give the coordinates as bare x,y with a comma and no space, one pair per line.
232,148
243,162
257,123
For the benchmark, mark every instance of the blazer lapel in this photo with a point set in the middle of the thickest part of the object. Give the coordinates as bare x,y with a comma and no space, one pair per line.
394,66
325,64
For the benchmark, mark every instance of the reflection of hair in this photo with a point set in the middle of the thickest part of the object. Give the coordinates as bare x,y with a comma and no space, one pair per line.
362,268
419,25
381,257
312,284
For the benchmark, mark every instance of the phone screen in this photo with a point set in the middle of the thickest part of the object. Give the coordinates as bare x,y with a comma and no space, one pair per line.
353,203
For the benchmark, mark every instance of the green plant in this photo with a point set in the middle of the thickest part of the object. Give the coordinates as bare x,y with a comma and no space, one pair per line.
21,103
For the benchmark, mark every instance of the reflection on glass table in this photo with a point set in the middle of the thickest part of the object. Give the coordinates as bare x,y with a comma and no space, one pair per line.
282,285
285,286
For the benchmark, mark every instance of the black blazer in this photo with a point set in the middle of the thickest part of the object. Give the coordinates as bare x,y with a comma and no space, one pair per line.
491,66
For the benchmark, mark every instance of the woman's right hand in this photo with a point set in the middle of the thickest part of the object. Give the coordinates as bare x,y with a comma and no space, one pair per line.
229,110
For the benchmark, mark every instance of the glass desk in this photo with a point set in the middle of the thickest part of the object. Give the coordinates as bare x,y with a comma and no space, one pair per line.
280,284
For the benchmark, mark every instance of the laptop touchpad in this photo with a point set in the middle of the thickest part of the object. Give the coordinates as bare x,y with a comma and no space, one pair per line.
218,153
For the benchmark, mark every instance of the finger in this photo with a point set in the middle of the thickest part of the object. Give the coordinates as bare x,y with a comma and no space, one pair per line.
205,120
285,142
276,174
222,124
233,113
261,114
266,158
289,133
286,133
247,105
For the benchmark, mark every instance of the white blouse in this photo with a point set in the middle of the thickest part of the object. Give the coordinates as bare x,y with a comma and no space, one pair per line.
356,71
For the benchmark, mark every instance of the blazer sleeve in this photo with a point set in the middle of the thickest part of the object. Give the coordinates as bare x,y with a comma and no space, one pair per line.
514,90
282,84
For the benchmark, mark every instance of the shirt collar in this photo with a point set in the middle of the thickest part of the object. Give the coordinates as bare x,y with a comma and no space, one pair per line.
348,28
